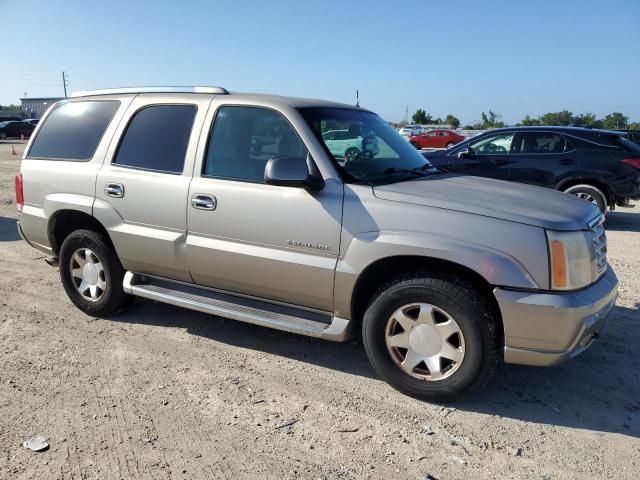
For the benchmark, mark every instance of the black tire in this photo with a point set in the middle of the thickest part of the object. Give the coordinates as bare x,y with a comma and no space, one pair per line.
113,297
416,145
589,192
472,313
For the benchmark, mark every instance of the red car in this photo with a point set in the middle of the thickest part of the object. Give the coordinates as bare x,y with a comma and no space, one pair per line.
436,139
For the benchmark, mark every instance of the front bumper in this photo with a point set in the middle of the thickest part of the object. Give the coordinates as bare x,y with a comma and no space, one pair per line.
547,328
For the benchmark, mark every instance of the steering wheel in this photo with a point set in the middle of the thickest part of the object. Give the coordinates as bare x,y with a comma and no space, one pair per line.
493,148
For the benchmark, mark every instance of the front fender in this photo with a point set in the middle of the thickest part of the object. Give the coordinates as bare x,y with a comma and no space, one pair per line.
497,268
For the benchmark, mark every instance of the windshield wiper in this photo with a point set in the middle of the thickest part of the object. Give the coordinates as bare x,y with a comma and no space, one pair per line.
418,171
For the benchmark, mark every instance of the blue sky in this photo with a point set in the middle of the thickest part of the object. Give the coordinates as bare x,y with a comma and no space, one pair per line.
463,57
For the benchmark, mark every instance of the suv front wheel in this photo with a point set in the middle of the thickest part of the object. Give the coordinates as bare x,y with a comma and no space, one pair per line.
432,337
92,274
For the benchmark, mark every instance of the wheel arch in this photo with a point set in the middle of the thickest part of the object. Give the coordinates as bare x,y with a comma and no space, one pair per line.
63,222
380,271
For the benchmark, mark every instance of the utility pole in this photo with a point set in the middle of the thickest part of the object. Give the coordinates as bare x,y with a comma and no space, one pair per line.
64,83
357,98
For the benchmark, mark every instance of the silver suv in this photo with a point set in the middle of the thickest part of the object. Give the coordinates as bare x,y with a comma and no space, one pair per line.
235,205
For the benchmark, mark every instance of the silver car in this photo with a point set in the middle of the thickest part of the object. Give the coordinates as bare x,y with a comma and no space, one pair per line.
236,205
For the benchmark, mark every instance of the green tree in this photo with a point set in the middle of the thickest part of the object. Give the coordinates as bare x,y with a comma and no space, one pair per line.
615,120
587,120
421,117
563,118
453,121
634,126
527,121
490,121
11,108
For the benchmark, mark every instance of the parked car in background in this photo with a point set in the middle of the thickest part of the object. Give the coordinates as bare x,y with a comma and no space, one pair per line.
439,138
600,166
409,130
31,121
10,119
347,144
15,130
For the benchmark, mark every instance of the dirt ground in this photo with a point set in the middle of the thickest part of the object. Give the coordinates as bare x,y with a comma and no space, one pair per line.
165,393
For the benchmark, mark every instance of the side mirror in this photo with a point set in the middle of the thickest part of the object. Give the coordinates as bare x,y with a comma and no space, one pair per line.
291,172
466,153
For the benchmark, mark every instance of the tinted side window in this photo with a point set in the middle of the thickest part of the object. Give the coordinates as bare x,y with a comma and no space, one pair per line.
157,138
540,142
244,139
73,130
493,144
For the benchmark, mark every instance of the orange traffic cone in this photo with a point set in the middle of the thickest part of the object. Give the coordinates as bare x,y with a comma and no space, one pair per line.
13,150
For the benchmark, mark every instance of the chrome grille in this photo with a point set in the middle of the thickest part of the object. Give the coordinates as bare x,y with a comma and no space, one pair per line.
599,238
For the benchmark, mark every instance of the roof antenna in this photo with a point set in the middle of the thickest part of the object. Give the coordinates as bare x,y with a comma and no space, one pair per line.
357,98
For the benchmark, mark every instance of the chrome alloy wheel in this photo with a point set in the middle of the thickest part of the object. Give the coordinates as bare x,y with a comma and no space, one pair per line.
87,274
425,341
587,197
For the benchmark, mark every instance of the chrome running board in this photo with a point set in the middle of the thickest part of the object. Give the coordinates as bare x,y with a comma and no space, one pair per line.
257,312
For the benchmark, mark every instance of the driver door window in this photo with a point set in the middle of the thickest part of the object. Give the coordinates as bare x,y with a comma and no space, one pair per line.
244,139
494,144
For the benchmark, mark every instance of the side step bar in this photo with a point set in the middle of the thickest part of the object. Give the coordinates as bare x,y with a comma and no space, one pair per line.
244,309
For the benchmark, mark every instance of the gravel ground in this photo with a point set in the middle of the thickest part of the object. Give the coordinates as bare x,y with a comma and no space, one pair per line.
160,392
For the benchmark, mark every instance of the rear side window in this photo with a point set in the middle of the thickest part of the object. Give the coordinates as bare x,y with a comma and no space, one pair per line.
540,142
157,138
73,130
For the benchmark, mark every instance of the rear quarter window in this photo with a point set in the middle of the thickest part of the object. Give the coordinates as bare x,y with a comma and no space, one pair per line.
73,130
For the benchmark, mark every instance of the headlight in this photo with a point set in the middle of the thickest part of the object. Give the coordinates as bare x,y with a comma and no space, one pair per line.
572,260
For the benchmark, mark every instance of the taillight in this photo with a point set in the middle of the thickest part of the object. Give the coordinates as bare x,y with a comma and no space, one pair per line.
633,162
19,192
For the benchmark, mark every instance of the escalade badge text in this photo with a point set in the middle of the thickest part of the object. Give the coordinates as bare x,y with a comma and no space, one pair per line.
317,246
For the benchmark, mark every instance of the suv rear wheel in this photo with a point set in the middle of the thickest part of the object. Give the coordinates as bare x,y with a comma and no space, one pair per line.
590,194
432,337
92,274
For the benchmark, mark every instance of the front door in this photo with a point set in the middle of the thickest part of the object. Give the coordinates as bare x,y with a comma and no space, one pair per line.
489,156
266,241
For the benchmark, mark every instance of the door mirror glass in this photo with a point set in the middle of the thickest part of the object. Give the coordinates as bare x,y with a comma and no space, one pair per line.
291,172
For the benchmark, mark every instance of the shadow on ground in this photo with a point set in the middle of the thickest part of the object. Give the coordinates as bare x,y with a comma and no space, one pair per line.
621,221
8,230
598,390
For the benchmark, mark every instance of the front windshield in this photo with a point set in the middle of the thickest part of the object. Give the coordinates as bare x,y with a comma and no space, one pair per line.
364,146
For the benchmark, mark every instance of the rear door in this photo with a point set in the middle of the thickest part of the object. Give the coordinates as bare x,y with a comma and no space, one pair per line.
489,156
542,157
142,187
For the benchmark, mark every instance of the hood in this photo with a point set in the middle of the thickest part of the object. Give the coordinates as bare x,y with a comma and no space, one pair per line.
515,202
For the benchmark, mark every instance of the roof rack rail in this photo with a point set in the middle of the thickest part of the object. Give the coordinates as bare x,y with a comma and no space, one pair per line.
112,91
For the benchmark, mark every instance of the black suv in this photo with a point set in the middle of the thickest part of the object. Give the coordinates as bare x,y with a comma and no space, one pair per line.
600,166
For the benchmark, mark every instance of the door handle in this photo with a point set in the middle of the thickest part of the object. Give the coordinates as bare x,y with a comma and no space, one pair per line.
204,202
501,161
114,190
567,161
